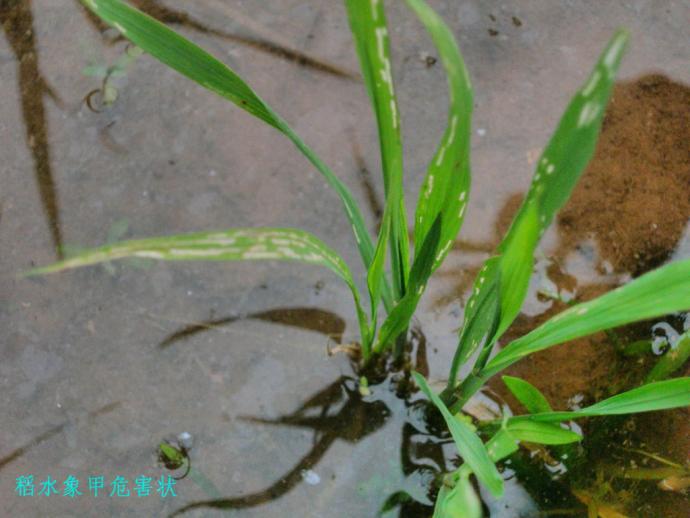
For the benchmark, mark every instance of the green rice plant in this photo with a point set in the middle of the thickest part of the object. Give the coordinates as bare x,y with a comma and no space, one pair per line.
501,284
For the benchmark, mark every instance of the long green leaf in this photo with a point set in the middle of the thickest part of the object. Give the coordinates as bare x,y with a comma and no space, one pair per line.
527,394
399,318
240,244
370,33
660,395
469,445
198,65
461,503
541,433
657,293
458,499
446,186
558,170
376,271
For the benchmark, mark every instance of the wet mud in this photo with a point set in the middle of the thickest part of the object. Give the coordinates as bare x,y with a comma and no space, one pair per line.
634,198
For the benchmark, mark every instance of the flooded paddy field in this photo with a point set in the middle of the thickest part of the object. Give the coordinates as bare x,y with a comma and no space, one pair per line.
100,365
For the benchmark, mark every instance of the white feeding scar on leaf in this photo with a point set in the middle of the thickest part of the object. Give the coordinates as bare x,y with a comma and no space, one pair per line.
374,9
206,252
394,112
451,137
588,114
591,84
288,252
429,186
386,76
149,255
613,53
442,252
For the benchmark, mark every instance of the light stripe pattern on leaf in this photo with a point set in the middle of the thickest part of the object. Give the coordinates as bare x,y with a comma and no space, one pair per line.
657,293
370,33
558,170
446,186
241,244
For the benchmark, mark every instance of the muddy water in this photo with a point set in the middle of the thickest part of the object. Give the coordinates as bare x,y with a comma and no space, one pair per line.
101,365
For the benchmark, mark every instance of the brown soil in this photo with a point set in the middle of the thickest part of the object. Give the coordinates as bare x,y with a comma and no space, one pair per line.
634,197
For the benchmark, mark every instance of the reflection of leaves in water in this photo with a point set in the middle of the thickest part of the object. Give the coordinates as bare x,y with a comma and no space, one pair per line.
339,412
336,412
311,319
16,19
172,16
107,94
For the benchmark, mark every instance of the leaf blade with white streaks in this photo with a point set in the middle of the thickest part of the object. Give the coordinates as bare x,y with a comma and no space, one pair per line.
560,166
370,33
240,244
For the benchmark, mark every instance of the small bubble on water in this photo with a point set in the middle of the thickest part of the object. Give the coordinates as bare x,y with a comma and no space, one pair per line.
185,440
311,477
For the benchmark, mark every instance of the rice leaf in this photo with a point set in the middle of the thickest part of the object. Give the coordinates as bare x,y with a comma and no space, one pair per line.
469,445
399,318
458,499
195,63
558,170
240,244
660,395
370,33
657,293
482,316
376,271
527,394
541,433
446,186
501,445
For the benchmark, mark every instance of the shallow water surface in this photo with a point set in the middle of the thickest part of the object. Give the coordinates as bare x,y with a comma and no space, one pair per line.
101,365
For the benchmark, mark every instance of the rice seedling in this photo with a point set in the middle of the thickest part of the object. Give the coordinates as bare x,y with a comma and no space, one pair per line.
501,285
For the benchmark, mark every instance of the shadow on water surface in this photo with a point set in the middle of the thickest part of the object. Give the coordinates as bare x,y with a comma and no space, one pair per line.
337,412
346,411
343,411
309,319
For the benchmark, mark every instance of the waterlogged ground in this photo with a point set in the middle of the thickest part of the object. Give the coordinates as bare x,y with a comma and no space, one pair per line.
102,364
